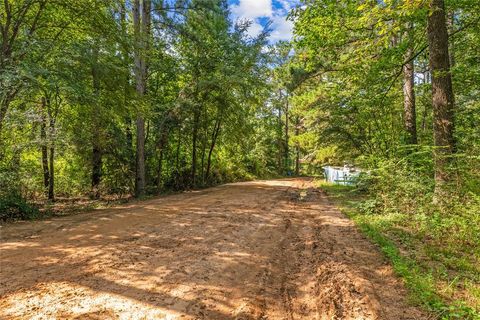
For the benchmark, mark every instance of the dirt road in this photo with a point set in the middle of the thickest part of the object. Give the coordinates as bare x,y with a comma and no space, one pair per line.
255,250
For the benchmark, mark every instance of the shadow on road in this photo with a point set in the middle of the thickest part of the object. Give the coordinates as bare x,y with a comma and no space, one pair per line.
265,249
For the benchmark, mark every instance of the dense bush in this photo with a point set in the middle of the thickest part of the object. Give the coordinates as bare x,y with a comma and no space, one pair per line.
441,237
14,206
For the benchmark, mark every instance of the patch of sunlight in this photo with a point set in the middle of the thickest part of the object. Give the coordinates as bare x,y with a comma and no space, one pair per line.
16,245
269,183
62,300
233,254
337,221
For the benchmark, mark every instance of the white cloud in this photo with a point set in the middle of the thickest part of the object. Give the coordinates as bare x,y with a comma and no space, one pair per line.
281,29
255,29
277,12
252,9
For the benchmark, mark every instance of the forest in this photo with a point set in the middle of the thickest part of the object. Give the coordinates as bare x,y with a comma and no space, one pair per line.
114,101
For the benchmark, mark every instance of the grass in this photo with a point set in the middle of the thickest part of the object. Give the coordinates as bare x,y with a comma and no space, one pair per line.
442,276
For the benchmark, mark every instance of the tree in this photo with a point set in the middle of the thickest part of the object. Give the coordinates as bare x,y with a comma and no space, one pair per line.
96,126
141,21
442,95
410,114
18,27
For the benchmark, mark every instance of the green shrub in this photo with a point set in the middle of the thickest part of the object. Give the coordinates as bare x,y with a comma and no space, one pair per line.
434,247
14,207
369,206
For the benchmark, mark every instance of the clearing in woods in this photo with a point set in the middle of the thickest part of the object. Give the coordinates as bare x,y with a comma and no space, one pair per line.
255,250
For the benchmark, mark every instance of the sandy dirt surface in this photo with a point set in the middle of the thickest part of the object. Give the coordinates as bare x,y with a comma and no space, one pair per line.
255,250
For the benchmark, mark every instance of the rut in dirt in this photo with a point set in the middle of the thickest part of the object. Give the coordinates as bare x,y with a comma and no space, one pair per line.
255,250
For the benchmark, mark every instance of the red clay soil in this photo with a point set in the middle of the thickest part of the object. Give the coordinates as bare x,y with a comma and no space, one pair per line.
255,250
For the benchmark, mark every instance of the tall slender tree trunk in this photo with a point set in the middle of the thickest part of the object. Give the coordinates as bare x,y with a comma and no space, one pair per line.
51,186
442,96
196,119
409,113
141,22
287,151
204,146
215,134
140,158
96,127
159,169
280,138
126,90
51,179
297,146
44,142
50,141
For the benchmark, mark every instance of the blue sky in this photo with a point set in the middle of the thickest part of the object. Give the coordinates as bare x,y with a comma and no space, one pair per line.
262,11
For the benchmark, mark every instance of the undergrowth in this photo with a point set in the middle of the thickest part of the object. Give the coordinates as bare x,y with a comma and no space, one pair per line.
14,206
436,252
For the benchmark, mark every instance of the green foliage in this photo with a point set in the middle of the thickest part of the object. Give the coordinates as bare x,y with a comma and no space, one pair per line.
223,106
69,93
426,250
401,185
348,92
13,206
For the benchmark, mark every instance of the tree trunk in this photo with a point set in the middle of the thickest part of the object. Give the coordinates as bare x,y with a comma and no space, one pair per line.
410,119
442,96
216,131
51,186
96,127
126,89
140,158
43,139
279,137
96,170
51,194
297,147
196,119
204,149
287,151
141,21
159,170
51,142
